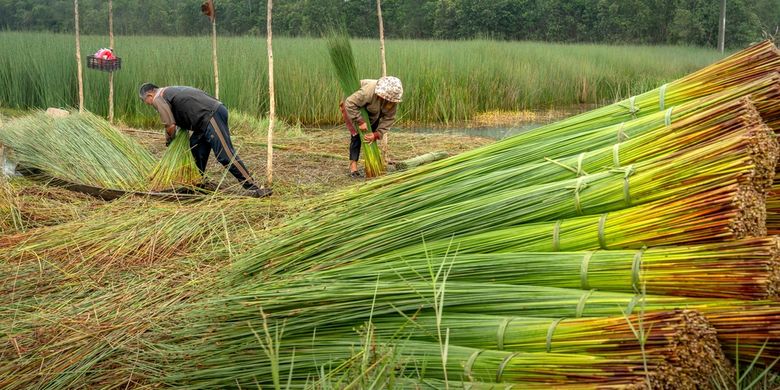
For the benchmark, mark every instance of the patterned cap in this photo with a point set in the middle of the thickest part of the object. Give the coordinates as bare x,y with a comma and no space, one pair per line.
390,89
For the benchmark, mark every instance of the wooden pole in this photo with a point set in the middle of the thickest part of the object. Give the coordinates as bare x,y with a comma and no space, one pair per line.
381,36
385,138
78,56
111,74
722,27
214,51
272,100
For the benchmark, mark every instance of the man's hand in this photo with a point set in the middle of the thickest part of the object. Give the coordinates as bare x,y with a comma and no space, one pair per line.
170,132
371,137
363,126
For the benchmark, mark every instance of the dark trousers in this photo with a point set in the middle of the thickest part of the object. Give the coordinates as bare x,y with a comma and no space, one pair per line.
354,144
216,138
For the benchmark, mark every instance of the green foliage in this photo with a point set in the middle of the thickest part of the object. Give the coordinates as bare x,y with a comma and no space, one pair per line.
628,21
444,81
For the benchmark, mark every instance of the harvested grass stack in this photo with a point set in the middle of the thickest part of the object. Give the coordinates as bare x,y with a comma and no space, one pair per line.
743,157
88,336
80,148
745,269
344,64
177,167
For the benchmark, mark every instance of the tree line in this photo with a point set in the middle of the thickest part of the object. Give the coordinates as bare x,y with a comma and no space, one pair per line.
692,22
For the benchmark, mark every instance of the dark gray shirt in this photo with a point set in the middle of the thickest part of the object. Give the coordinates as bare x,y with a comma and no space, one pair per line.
186,107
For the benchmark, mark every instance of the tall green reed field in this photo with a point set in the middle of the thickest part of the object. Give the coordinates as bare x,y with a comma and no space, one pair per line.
445,81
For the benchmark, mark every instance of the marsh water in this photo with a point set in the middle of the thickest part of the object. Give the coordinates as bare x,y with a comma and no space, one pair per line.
497,133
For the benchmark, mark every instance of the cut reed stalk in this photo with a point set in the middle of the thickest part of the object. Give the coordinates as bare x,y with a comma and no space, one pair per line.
176,168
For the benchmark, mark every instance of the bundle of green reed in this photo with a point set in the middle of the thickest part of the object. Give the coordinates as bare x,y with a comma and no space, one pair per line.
670,337
727,213
80,148
559,370
177,167
313,311
328,306
344,64
744,269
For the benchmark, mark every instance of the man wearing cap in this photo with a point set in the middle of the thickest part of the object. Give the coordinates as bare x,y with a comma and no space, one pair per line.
380,98
192,109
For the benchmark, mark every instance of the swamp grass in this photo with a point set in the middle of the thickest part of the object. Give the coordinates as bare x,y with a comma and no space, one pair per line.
445,81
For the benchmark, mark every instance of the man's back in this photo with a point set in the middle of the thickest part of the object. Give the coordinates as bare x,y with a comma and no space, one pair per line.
191,107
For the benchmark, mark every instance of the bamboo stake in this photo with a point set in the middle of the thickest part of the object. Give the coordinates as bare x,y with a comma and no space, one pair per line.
111,74
78,56
272,100
381,37
385,138
214,49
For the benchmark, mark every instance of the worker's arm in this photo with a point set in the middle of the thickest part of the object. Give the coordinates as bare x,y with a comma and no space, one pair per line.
166,116
354,103
385,121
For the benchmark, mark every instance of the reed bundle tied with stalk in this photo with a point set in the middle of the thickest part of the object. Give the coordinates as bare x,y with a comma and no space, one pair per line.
177,167
329,306
743,269
679,348
344,64
314,312
727,213
80,148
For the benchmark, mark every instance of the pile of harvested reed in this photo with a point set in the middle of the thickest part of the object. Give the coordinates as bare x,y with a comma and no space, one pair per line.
691,165
80,148
36,205
132,232
658,155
